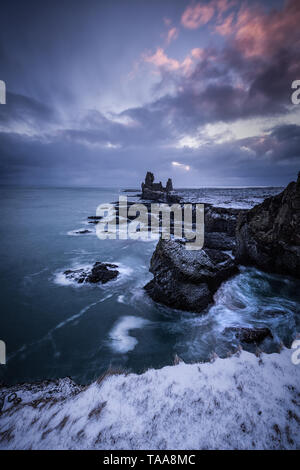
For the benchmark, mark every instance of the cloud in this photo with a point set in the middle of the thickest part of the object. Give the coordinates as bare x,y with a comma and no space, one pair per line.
218,101
24,114
161,60
261,33
197,15
172,35
201,13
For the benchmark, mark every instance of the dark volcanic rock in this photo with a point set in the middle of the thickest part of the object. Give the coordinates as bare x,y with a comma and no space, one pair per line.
268,235
100,272
187,279
221,219
156,192
250,335
219,241
83,231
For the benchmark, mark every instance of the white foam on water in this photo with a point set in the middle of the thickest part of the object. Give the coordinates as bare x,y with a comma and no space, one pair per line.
121,341
61,279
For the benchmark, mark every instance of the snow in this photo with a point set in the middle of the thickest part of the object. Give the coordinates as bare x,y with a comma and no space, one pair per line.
242,402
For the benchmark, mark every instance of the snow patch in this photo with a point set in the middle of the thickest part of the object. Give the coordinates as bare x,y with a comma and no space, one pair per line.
243,402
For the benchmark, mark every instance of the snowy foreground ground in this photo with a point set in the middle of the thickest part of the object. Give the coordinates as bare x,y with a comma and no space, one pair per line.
243,402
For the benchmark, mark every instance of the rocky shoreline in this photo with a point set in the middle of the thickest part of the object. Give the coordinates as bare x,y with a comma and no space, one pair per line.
62,414
267,236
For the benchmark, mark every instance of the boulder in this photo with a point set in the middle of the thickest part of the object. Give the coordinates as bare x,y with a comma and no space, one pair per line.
187,279
268,235
100,272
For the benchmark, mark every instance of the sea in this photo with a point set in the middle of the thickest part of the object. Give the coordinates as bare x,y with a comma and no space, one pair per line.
54,327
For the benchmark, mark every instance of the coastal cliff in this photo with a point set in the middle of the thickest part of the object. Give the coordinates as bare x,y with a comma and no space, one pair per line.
268,235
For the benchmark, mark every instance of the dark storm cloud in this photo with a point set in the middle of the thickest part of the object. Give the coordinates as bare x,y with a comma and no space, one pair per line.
23,109
282,144
97,90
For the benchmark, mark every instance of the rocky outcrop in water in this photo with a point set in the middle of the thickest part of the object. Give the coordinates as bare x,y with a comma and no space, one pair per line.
268,235
249,335
82,232
100,272
156,192
186,279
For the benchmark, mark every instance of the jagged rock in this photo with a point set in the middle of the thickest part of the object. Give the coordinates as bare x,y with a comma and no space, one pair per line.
169,185
100,272
249,335
219,241
156,192
268,235
221,219
187,279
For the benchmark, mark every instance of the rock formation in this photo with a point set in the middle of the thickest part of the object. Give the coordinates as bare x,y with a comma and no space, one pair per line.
186,279
156,192
100,272
268,235
249,335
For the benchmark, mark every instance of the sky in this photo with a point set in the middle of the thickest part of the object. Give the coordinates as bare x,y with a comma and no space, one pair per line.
99,92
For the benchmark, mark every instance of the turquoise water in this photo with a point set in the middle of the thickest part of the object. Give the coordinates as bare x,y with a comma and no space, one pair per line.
54,328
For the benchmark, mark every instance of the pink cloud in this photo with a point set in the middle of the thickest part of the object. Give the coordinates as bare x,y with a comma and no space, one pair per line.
201,13
161,60
226,27
260,33
197,15
172,35
197,53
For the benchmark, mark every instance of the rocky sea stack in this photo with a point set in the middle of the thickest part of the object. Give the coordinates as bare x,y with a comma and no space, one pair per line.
157,192
186,279
268,235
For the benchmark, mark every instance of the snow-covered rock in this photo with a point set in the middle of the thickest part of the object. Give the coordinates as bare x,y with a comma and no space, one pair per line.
242,402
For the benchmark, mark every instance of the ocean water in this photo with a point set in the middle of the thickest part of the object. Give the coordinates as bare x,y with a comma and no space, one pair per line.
53,327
